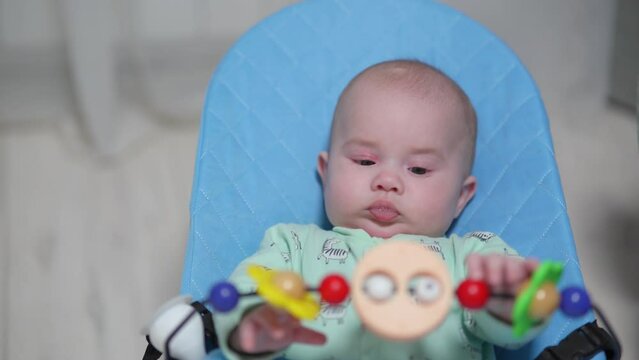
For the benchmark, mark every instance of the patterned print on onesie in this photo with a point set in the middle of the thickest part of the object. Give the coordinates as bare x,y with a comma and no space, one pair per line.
330,252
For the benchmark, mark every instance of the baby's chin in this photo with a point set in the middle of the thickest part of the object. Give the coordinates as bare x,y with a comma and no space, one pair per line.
383,232
390,230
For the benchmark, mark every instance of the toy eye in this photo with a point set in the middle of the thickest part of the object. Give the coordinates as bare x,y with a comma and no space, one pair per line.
379,287
424,288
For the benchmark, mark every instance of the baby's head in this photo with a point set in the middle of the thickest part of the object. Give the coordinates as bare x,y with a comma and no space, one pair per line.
401,150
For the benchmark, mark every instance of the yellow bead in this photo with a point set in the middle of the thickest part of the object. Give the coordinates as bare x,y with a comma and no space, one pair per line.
545,301
290,283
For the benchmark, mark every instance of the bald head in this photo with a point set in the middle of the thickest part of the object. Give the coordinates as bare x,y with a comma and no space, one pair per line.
416,79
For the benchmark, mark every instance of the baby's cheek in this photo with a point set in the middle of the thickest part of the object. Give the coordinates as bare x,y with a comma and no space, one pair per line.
338,200
437,212
343,194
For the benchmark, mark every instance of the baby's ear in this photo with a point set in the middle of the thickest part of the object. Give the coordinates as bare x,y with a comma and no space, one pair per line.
322,165
467,192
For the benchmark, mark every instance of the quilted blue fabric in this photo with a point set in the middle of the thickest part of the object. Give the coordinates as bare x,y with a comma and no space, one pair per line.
268,112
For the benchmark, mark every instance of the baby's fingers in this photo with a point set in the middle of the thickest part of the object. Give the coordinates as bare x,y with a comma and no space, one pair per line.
265,329
495,272
531,265
475,266
488,268
249,337
308,336
518,271
276,322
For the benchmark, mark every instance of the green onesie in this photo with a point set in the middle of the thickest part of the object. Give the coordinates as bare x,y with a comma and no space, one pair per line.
313,253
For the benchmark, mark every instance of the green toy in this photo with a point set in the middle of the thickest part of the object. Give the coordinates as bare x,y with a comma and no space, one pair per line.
548,271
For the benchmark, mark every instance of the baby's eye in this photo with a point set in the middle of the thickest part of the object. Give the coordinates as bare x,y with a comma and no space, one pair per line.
418,170
365,162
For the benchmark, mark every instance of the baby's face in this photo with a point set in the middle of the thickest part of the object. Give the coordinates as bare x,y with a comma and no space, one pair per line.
396,163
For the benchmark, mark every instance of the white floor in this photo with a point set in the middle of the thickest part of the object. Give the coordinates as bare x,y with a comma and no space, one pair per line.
89,248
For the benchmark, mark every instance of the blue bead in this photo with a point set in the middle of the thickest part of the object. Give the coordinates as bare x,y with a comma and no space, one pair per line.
574,301
223,296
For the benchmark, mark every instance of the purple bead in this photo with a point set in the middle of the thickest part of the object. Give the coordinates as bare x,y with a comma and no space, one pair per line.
223,296
574,301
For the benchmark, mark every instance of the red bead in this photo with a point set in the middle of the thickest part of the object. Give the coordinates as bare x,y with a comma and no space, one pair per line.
333,289
473,294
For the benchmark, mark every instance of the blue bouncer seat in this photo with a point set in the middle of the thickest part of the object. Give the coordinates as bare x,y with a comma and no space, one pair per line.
268,112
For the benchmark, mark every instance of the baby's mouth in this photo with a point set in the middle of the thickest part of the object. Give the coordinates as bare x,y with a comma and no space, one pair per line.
383,211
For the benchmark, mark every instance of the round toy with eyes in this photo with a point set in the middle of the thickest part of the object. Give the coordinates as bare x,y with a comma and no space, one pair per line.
402,296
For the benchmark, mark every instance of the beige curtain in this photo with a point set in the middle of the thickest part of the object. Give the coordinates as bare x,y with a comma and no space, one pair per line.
115,68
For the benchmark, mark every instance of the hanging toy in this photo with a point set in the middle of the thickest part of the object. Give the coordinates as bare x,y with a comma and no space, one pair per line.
400,290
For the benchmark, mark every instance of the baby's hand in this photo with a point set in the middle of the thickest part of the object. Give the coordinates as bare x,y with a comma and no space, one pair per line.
504,275
266,329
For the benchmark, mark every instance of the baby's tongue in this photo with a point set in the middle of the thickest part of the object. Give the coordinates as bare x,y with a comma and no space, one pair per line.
383,213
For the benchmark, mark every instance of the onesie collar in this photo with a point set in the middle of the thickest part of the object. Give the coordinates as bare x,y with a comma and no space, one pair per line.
356,233
362,234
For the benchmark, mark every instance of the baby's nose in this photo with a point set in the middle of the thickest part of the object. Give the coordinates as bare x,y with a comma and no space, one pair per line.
387,181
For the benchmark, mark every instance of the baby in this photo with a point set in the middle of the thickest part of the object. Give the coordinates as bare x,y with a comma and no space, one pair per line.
398,167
